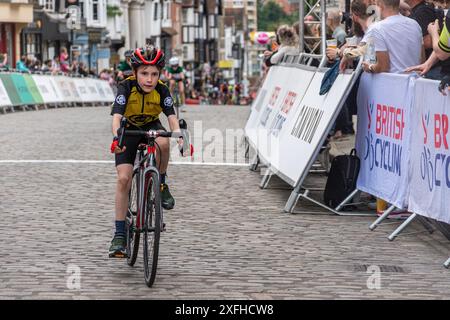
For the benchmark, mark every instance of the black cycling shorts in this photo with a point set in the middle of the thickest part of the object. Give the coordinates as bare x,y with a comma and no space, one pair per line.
132,142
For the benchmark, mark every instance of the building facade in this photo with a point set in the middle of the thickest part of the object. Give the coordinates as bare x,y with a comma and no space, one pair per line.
15,15
200,38
83,33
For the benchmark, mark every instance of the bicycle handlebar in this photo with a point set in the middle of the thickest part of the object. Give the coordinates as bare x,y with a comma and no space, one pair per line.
151,133
187,147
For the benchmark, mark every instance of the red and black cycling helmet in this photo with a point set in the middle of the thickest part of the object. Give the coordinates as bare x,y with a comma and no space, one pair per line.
149,55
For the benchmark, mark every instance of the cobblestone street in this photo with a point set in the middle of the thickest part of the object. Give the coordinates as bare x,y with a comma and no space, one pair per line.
225,239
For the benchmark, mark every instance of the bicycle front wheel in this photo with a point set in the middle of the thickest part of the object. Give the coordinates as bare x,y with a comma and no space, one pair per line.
152,228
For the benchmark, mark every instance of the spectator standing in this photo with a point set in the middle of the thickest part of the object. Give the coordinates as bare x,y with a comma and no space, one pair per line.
334,23
4,60
55,65
47,66
424,13
397,40
288,41
64,60
21,64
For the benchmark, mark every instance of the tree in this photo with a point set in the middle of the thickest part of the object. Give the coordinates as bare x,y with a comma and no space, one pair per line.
271,15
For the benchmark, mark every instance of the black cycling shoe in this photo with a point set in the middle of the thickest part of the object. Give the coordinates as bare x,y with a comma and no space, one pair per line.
118,248
168,202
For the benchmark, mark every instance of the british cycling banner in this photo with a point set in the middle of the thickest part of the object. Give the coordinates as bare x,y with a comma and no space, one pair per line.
382,140
430,153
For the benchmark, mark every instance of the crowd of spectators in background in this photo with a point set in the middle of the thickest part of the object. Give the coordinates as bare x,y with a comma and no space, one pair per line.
395,36
60,64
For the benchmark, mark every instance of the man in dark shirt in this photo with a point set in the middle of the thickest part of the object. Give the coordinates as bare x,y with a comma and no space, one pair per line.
424,14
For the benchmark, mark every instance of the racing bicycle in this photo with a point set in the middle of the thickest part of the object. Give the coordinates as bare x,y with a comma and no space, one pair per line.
145,214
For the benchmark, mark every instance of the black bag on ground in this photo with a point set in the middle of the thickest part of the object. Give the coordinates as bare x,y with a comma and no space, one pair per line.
341,179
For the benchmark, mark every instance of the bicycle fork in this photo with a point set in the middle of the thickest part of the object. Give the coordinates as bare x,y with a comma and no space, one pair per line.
144,180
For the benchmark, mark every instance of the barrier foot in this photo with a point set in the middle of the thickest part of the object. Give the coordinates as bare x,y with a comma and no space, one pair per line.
247,149
296,195
447,263
346,200
265,179
254,164
292,201
381,218
402,227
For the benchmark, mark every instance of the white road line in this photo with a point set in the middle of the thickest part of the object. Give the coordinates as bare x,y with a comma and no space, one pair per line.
229,164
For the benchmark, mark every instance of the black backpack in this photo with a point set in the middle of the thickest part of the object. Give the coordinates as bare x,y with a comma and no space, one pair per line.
341,179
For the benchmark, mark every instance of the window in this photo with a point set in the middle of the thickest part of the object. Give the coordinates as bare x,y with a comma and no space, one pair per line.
185,52
185,34
49,5
31,44
167,11
212,21
155,12
82,9
185,16
95,13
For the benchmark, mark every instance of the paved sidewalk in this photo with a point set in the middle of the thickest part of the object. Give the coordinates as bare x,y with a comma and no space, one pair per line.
226,238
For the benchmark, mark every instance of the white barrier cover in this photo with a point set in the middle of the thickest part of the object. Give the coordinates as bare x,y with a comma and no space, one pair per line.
4,98
55,88
306,125
73,89
47,89
430,153
82,89
65,88
268,92
93,94
100,90
109,93
382,140
286,88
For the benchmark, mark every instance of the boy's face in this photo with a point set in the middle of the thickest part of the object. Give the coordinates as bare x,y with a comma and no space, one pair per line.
147,77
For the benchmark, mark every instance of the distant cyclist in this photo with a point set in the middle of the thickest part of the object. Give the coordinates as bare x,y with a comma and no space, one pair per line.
140,98
175,75
124,66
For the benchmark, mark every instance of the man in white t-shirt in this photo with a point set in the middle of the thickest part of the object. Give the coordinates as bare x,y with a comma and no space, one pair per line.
397,40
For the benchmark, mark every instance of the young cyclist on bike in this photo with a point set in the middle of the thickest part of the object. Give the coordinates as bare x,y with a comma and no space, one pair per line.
175,75
140,98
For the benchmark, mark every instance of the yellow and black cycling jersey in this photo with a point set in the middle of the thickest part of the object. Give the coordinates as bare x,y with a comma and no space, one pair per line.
444,38
139,107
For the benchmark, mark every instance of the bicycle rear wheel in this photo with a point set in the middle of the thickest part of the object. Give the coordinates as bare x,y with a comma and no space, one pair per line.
152,228
133,234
